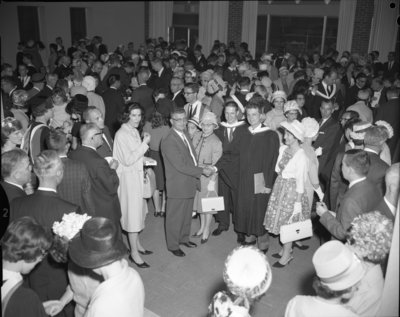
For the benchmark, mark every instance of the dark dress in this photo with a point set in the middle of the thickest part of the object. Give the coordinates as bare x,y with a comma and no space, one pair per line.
258,154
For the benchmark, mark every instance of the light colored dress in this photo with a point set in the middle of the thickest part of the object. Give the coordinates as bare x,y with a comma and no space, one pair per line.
60,116
208,151
97,101
129,150
273,118
312,171
313,306
292,177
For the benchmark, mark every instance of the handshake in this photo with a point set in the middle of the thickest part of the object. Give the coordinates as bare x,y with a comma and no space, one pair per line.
209,170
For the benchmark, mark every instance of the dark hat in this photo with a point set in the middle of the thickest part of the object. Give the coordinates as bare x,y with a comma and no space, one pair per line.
41,109
97,245
37,78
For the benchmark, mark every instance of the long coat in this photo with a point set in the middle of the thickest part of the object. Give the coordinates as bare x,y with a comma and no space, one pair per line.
129,150
258,154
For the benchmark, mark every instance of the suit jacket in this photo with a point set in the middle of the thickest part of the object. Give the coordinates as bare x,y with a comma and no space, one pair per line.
156,82
115,105
12,191
390,72
360,198
351,96
28,85
104,181
228,164
144,96
125,78
390,112
106,149
377,171
384,209
75,186
182,175
179,99
48,279
314,104
328,138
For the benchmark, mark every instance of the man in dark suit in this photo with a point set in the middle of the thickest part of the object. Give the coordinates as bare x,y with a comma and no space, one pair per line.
104,179
328,141
373,141
93,115
162,76
391,67
379,94
230,133
114,103
182,179
361,196
390,112
177,95
75,186
388,204
116,68
49,279
24,80
143,95
8,85
352,92
64,67
16,173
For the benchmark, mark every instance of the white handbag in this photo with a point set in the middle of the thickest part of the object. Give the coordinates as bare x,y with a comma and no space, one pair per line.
295,231
212,204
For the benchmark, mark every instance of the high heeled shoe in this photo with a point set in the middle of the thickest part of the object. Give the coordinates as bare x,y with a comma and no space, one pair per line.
280,265
300,246
143,265
279,255
156,214
204,240
146,252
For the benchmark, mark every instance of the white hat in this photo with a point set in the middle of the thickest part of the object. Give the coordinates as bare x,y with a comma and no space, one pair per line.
89,83
267,57
279,94
247,272
337,266
311,127
291,105
210,117
295,128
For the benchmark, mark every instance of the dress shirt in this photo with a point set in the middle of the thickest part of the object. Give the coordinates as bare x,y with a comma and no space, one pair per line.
357,181
375,99
10,279
370,150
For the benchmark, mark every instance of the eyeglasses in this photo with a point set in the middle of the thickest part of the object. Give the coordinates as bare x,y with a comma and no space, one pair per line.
188,93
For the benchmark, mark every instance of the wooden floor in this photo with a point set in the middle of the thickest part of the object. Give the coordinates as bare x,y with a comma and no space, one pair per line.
183,287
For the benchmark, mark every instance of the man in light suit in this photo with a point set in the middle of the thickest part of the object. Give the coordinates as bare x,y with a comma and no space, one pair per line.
182,179
361,196
194,108
104,179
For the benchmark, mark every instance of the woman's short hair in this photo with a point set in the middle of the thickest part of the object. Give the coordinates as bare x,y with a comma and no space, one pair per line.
325,292
59,92
10,161
9,125
19,96
127,112
25,240
158,120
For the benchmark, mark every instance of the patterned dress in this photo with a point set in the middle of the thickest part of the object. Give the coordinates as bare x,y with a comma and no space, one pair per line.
281,203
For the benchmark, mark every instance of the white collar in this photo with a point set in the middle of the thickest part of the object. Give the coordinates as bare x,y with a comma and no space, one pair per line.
11,183
258,129
357,181
160,71
370,150
175,94
326,88
391,207
233,125
51,88
47,189
12,278
90,147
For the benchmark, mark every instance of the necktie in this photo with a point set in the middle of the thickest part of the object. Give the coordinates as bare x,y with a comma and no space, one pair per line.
190,149
190,111
285,86
230,134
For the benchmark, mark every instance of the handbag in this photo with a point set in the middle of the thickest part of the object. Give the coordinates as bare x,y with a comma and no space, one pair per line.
296,230
212,204
149,183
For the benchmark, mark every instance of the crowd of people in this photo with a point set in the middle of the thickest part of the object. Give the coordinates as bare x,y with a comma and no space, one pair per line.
280,139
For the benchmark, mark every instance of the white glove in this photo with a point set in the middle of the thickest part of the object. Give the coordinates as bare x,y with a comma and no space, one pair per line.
319,193
318,152
297,208
211,186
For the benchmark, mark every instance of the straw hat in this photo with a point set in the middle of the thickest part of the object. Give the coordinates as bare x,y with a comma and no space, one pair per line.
209,117
295,128
337,266
195,122
291,105
97,245
247,272
279,94
89,83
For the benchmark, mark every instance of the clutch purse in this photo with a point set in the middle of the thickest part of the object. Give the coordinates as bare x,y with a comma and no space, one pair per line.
149,183
212,204
296,230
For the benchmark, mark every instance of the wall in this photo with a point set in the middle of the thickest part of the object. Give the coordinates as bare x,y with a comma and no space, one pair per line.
117,22
235,21
362,26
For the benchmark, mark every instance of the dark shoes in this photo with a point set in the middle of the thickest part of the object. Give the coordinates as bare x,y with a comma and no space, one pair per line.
280,265
178,252
189,244
240,238
159,214
300,246
218,231
204,241
143,265
146,252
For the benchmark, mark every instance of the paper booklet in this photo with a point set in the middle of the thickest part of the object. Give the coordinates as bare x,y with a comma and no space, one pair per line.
259,183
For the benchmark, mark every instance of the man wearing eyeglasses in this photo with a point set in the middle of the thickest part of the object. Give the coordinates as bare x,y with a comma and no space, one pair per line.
194,108
182,179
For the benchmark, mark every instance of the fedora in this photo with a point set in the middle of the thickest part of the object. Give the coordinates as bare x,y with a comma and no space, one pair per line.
337,266
97,245
295,128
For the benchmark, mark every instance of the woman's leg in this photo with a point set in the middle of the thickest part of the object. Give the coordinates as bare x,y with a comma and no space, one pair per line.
202,224
133,238
286,254
206,228
156,201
